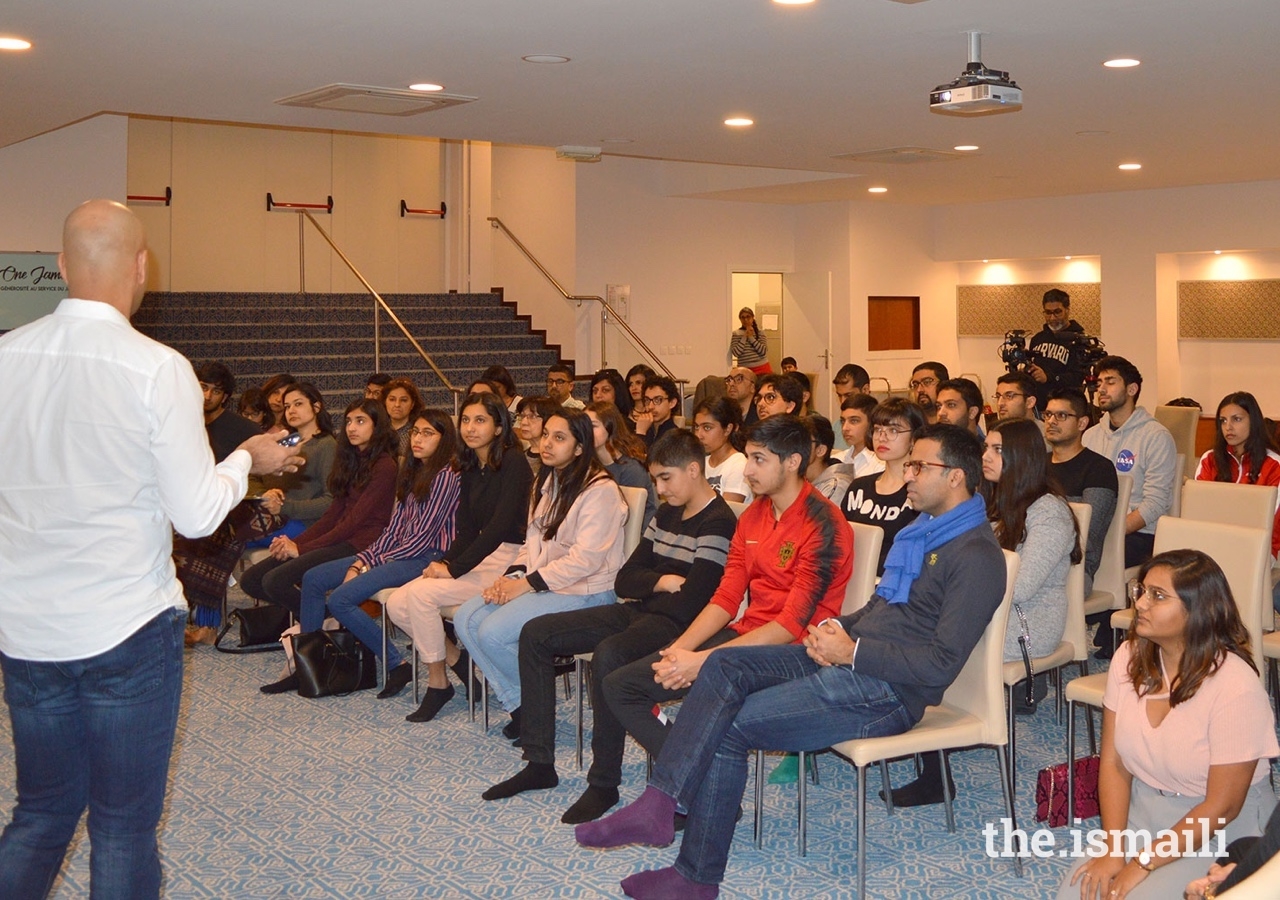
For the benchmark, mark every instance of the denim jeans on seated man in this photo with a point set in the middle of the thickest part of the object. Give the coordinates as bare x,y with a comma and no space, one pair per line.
95,732
323,586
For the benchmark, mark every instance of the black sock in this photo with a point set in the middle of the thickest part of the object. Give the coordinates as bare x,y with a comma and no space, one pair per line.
432,703
511,730
533,777
396,681
594,803
925,790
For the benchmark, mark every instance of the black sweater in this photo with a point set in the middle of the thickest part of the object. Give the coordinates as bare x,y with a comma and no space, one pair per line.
493,509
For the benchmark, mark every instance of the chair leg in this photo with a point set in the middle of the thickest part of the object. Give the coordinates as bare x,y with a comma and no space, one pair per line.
579,669
801,811
947,799
1071,762
1093,738
1057,696
888,786
813,762
484,696
1011,720
1273,676
862,829
413,658
1006,785
382,663
759,813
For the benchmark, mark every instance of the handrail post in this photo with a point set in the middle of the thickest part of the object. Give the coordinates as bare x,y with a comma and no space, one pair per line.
377,340
302,258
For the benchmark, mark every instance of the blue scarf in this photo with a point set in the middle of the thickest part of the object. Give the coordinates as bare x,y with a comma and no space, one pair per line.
906,557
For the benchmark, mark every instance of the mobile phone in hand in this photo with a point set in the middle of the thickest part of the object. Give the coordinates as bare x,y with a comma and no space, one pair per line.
290,440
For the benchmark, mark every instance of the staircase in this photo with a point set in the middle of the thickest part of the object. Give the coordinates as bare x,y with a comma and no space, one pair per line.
327,339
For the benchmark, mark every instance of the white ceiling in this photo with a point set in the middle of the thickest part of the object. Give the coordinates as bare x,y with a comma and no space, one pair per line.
836,77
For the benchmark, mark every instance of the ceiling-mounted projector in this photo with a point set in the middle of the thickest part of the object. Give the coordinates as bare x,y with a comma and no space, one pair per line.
978,90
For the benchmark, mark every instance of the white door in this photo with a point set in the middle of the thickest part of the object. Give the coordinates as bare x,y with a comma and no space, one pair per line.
806,309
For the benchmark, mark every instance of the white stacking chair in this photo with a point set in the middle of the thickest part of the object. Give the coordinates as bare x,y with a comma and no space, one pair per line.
1244,554
1074,646
971,714
1182,422
1109,581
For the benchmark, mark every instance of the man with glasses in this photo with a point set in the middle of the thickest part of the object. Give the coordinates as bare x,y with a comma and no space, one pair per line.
1015,396
661,399
1057,351
867,674
925,379
740,387
1083,475
778,395
959,403
226,430
560,386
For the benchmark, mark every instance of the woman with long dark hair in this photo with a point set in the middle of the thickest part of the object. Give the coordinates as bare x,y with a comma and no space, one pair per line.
1187,735
621,452
573,549
608,386
717,424
492,513
403,403
292,502
420,530
748,346
1244,453
362,482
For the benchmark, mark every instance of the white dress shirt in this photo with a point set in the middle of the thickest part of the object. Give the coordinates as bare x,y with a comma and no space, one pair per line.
106,452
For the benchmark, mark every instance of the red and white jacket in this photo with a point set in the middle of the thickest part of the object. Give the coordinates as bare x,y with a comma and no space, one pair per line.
1269,474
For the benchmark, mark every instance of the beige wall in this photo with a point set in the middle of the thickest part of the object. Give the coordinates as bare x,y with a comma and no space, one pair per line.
218,235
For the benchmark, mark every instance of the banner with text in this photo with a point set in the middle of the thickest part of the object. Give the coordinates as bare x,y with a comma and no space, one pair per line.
30,287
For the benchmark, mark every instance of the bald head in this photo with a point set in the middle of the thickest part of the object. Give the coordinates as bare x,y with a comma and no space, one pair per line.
740,384
104,255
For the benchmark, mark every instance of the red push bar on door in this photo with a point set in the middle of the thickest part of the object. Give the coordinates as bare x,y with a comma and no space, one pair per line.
146,198
276,204
406,209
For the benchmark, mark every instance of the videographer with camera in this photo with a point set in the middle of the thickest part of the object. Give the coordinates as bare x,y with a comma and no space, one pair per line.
1057,355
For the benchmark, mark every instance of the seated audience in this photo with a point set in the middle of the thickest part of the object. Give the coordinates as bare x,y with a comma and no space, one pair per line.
828,476
747,345
740,387
637,375
403,404
292,502
791,555
1135,443
607,386
1243,453
482,385
254,407
717,425
226,429
375,384
1015,396
670,577
532,413
560,386
621,452
1082,475
1187,734
362,482
420,530
778,395
788,365
806,392
661,405
855,428
273,389
851,379
810,697
572,552
500,376
492,509
925,379
959,403
1252,854
880,498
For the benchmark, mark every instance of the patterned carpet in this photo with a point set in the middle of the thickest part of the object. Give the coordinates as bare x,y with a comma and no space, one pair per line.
286,797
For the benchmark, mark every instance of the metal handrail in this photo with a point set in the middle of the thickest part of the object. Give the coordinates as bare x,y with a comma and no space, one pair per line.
608,310
379,302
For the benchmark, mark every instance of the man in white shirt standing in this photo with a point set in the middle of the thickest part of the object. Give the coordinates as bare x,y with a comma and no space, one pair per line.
107,453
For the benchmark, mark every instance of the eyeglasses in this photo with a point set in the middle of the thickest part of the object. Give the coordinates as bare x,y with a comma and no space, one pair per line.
558,381
916,466
1007,395
770,397
889,430
734,379
1137,590
655,401
423,432
916,383
527,416
1053,415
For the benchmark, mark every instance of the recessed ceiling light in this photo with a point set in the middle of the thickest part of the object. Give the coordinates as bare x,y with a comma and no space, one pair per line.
986,260
549,58
14,43
964,148
877,190
1217,252
426,86
739,122
1122,63
1130,167
1066,257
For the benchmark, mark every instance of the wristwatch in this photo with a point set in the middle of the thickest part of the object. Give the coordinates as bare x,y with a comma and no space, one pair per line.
1145,861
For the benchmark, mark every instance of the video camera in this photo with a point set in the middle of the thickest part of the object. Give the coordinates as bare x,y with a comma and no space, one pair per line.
1014,352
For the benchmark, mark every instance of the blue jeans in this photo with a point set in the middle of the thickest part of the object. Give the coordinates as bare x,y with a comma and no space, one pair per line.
344,602
758,698
94,732
491,633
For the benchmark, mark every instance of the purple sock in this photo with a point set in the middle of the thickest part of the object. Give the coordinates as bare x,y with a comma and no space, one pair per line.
667,884
649,820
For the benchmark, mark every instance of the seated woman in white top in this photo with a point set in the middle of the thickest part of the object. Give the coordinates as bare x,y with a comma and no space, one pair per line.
1187,735
716,423
573,548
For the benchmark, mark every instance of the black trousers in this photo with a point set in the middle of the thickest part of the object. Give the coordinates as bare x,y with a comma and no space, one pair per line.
281,582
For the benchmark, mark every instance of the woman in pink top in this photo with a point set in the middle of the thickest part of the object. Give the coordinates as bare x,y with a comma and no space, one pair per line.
1187,733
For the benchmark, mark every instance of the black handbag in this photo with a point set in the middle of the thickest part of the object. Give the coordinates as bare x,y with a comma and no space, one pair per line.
260,628
332,663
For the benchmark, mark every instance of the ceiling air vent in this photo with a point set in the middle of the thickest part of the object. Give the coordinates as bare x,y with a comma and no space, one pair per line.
900,155
380,101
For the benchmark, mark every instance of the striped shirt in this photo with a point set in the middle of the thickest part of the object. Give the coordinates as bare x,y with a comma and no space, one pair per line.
418,526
